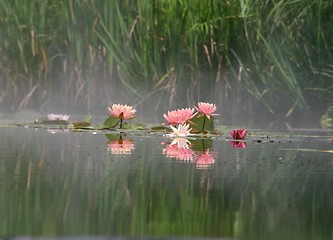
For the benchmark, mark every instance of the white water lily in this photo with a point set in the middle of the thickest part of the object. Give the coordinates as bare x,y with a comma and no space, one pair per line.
181,131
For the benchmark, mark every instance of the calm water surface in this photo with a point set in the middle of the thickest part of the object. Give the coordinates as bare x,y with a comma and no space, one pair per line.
64,183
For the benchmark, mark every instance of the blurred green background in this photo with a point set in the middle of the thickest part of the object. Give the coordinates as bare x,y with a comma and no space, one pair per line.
245,56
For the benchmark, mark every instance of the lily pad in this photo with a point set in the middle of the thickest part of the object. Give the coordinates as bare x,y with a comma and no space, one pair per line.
201,124
81,124
160,129
111,122
137,126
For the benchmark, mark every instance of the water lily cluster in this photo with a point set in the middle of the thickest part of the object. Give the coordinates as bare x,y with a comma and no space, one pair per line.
183,123
200,118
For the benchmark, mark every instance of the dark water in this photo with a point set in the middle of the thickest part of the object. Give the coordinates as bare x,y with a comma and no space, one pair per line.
57,183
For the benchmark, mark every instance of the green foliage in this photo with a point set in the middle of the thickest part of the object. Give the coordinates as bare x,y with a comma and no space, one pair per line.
111,122
201,124
82,125
279,52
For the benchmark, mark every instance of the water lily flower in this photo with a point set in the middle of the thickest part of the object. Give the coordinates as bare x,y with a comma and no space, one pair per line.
121,146
238,134
54,117
205,160
207,109
181,131
122,111
179,116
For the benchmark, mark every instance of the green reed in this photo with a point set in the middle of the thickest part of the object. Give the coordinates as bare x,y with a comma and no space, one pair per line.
278,53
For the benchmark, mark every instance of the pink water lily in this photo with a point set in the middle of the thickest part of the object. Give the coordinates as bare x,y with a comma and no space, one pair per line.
122,111
54,117
238,134
207,109
179,116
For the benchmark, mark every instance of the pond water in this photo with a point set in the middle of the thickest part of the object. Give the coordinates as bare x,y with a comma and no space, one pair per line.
65,183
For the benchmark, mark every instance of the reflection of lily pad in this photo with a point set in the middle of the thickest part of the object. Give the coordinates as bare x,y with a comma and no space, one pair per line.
201,144
112,136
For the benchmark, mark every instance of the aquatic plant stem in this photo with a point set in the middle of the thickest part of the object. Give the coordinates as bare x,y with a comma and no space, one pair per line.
121,123
203,124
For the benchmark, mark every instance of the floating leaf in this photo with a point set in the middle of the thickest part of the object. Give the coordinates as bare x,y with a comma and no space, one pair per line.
81,124
137,126
111,122
160,129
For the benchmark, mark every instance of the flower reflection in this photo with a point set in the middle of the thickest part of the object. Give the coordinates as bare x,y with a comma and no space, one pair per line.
238,144
56,130
180,153
121,146
181,149
205,160
181,142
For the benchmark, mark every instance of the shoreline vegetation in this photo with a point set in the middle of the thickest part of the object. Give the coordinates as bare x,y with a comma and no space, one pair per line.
84,55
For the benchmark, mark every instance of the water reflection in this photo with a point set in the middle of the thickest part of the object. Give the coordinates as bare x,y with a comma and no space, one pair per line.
205,159
67,184
117,144
238,144
197,151
179,149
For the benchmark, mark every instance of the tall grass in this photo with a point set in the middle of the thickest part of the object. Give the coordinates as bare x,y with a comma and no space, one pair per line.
279,53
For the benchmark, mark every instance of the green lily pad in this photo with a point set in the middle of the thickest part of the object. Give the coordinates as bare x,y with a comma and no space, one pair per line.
81,124
201,124
111,122
160,129
137,126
